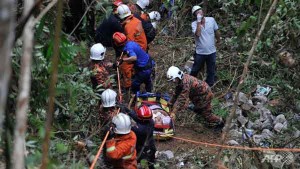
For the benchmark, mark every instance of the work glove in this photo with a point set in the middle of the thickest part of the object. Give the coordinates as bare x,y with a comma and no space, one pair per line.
119,62
154,24
199,17
154,15
111,134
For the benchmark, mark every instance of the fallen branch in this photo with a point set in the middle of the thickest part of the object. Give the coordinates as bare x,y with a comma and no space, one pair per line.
243,78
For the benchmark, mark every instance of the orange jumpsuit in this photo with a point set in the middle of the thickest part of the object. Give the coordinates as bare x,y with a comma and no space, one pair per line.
134,32
121,151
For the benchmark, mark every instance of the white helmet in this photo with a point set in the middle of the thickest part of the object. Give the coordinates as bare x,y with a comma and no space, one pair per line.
108,98
122,123
123,11
174,72
154,24
143,3
154,15
195,8
97,52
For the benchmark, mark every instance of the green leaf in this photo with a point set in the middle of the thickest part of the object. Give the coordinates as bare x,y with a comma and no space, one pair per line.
61,148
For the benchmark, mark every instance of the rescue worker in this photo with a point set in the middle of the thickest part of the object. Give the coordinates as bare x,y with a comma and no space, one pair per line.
108,106
145,145
133,28
108,27
138,9
188,88
143,63
134,31
99,67
120,145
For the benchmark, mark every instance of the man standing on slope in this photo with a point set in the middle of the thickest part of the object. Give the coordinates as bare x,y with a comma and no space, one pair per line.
205,30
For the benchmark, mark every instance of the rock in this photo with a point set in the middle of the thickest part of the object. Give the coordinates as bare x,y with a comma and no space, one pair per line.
242,120
180,164
235,134
265,114
280,127
250,124
296,134
267,134
232,143
246,106
267,124
169,154
257,124
257,138
238,111
242,97
259,100
280,119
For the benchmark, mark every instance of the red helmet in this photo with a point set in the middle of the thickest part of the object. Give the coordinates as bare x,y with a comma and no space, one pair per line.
119,38
117,2
144,113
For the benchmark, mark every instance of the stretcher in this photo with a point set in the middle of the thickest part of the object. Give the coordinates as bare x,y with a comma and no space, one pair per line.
163,124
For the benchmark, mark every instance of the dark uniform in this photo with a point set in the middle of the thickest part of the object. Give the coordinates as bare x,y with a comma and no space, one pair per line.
145,141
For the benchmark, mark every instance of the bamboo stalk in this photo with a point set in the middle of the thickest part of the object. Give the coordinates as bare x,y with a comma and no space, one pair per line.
52,87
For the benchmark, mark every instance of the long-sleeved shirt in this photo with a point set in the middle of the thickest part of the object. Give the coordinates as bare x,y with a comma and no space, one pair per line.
193,89
121,151
100,74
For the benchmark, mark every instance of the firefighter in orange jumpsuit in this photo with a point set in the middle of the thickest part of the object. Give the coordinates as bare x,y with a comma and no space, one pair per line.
189,88
120,146
134,32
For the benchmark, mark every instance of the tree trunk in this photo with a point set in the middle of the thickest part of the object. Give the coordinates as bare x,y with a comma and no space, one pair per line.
7,22
24,89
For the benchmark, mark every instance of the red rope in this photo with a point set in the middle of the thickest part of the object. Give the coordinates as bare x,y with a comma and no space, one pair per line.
238,147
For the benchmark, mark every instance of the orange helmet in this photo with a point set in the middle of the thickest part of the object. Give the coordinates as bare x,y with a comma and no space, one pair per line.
144,113
119,39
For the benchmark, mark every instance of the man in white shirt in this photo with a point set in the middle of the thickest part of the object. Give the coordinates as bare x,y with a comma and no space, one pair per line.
205,30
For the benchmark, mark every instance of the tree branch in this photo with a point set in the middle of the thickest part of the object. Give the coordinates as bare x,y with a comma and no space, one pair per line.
24,87
20,26
52,87
7,22
44,11
243,78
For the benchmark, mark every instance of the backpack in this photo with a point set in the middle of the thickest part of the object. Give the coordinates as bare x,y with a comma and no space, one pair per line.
148,29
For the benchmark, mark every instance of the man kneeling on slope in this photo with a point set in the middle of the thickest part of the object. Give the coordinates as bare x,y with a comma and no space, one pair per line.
189,88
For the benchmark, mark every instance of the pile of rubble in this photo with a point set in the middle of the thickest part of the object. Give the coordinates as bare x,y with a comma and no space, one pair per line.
261,128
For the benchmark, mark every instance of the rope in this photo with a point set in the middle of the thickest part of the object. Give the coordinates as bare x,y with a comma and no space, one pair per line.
105,138
238,147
